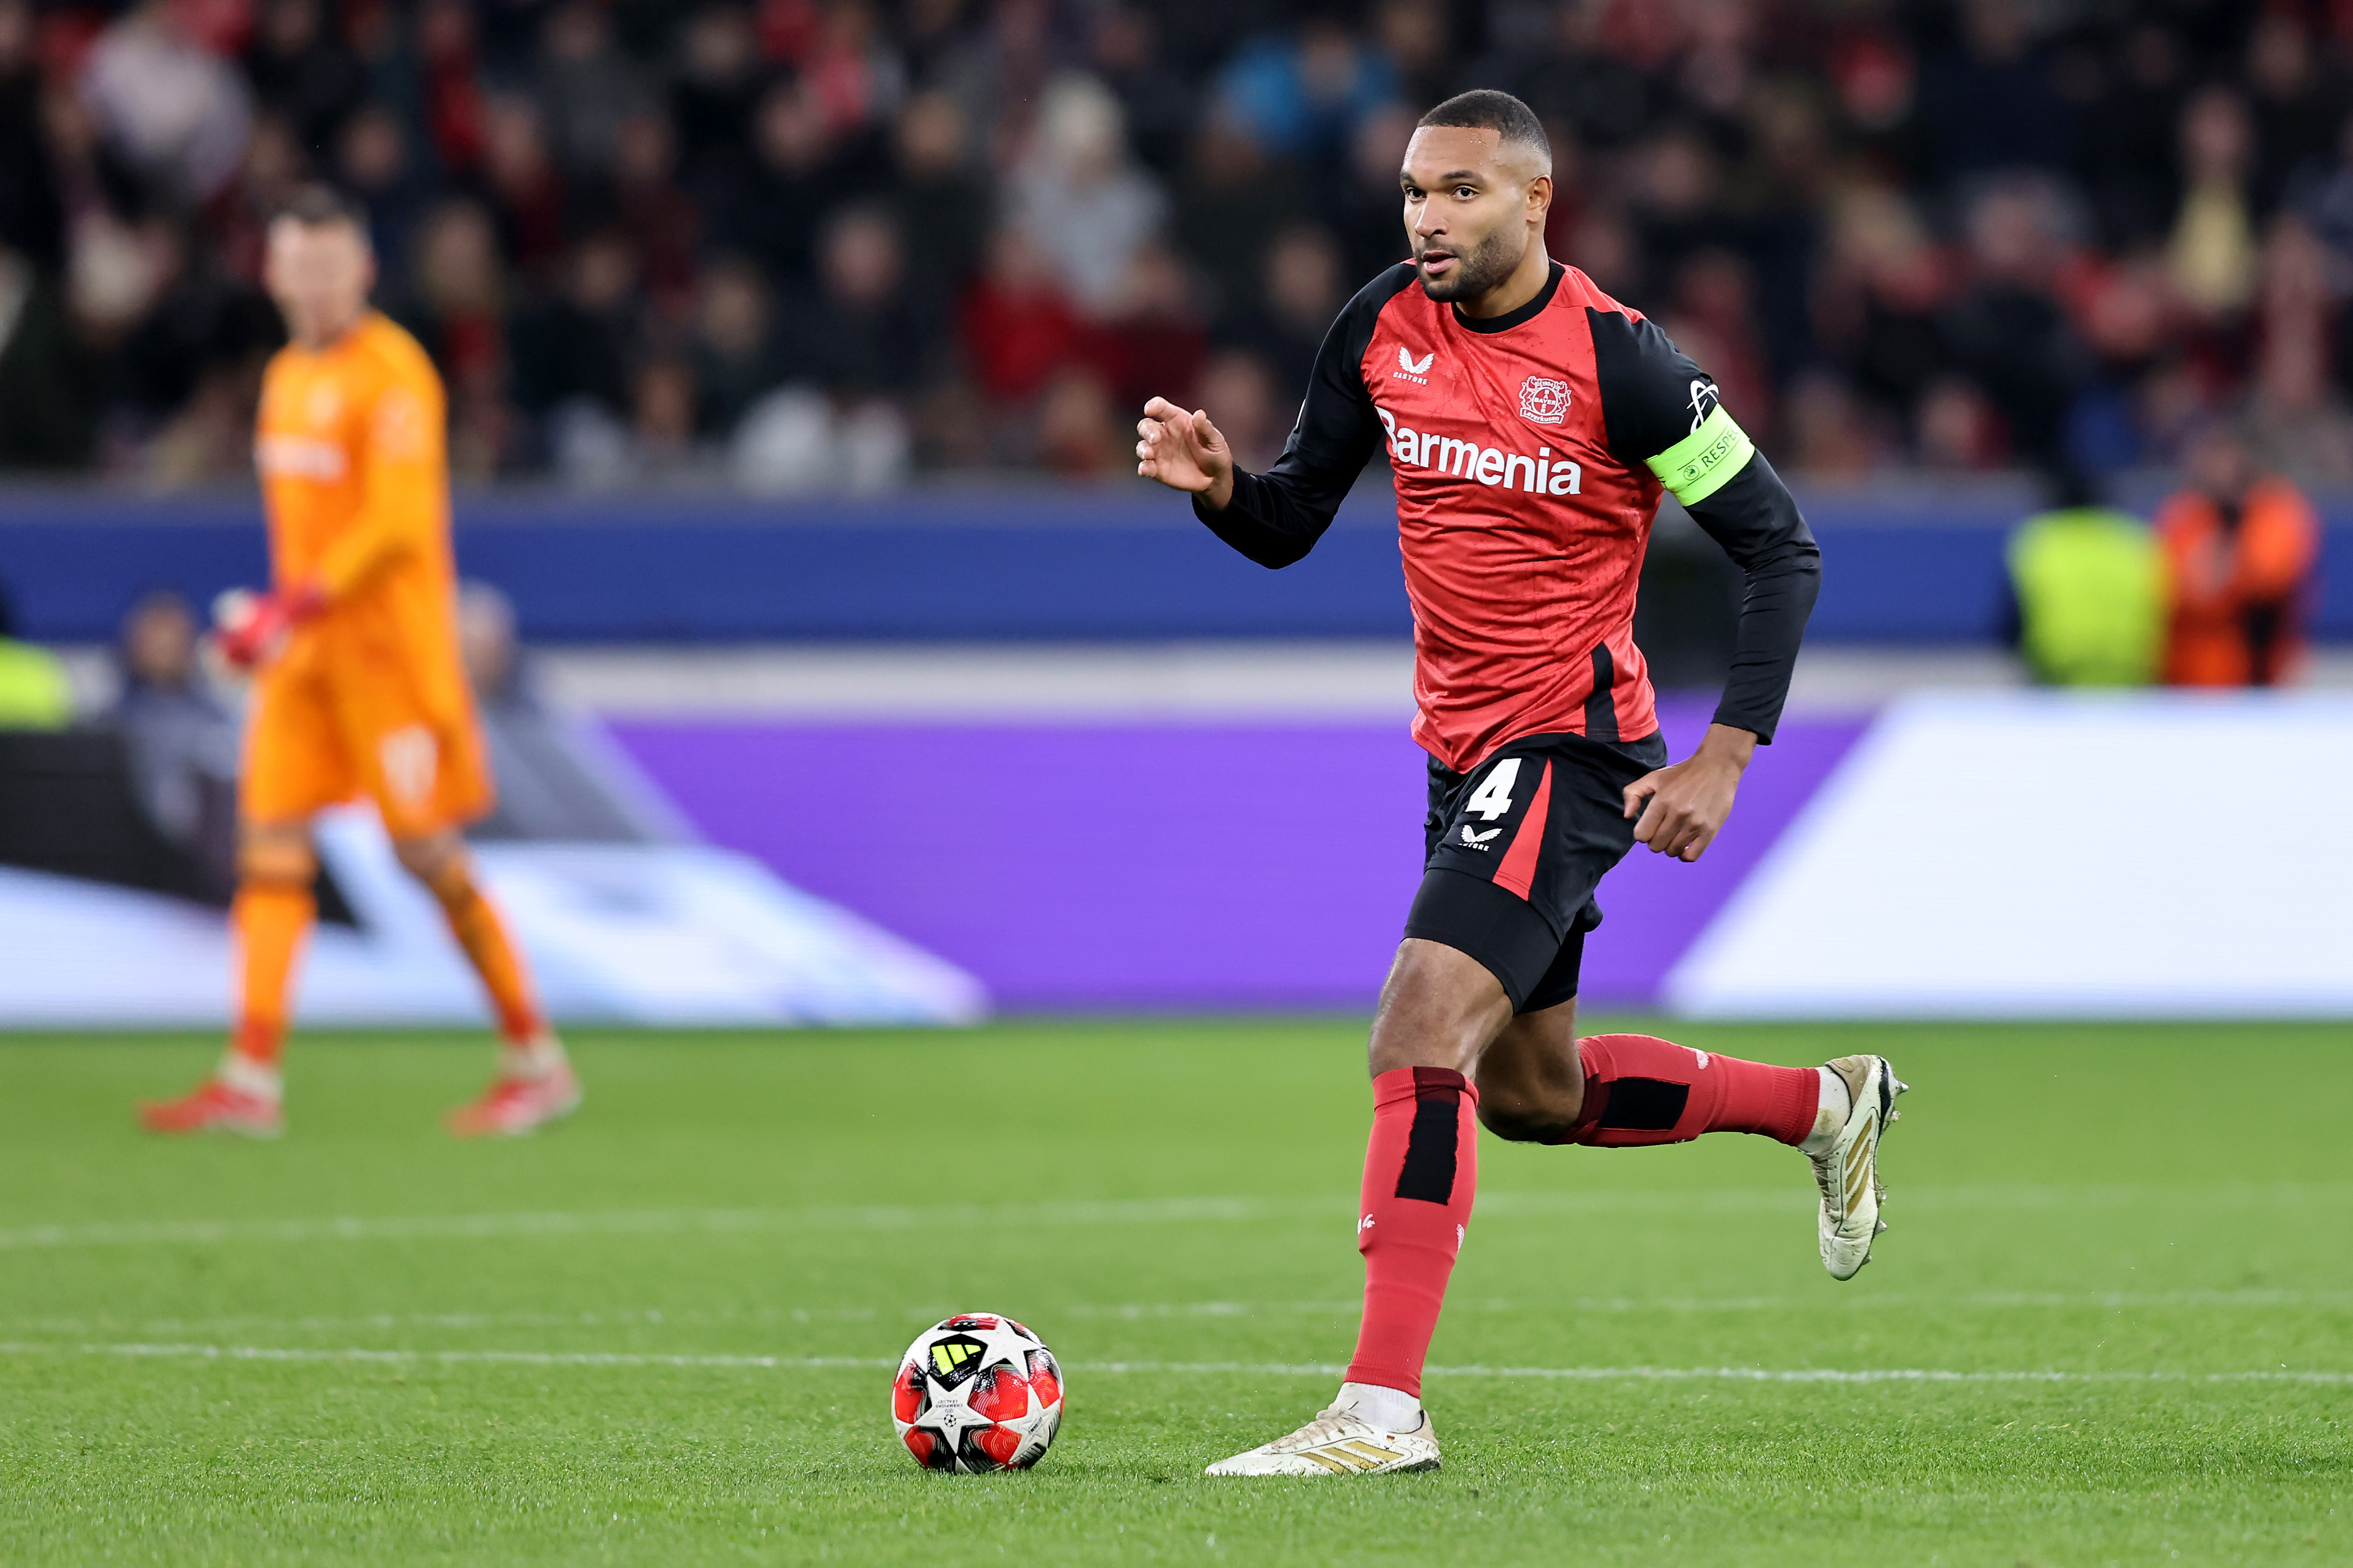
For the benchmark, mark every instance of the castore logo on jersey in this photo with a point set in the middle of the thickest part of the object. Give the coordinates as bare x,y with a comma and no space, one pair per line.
1411,369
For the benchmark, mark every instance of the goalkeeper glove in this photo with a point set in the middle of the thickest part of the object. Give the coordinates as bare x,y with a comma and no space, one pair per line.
252,630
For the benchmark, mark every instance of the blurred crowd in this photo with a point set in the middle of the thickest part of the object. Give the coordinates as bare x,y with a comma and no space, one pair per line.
832,244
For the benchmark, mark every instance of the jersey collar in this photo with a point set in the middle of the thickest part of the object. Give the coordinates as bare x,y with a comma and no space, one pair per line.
1526,313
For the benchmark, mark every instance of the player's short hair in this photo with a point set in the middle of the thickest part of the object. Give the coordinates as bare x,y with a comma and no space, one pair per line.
324,206
1485,108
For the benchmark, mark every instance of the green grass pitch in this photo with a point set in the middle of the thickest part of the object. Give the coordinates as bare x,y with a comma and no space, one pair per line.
2121,1262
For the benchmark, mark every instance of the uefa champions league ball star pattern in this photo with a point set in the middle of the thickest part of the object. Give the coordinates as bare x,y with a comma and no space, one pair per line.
977,1393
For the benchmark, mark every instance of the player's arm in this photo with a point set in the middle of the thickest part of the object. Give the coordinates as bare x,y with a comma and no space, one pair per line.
401,472
1275,518
1662,413
402,478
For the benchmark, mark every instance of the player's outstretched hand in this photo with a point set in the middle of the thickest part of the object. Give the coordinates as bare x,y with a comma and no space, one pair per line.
1185,452
1682,808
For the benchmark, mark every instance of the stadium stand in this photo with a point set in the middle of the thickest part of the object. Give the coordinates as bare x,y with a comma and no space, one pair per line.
801,246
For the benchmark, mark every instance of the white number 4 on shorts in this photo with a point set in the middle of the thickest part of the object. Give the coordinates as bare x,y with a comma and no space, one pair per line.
1493,796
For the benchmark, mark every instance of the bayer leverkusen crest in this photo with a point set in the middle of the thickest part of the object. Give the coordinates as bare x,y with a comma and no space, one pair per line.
1543,400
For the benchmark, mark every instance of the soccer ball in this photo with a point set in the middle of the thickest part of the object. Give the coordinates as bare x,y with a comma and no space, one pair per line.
977,1393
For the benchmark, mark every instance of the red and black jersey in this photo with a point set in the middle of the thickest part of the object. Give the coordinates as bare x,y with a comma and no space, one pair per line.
1529,452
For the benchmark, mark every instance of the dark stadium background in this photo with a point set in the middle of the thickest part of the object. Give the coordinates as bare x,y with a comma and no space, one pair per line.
1947,237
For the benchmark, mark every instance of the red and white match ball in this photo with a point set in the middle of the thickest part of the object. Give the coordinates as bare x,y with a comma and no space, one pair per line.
977,1393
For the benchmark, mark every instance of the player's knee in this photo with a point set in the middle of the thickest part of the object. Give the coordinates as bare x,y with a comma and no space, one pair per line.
1439,1008
276,855
430,858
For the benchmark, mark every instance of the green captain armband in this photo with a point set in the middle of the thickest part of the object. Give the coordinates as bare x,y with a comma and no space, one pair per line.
1704,461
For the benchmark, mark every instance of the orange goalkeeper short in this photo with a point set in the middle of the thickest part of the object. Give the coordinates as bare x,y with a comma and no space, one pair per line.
317,738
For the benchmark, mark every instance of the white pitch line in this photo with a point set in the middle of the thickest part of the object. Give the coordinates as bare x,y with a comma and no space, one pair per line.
1795,1199
1157,1368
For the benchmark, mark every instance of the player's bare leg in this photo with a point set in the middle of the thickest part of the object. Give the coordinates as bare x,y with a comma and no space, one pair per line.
271,916
535,1083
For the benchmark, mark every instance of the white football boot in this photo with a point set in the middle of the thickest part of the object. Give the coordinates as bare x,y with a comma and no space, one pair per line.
1846,1163
1338,1443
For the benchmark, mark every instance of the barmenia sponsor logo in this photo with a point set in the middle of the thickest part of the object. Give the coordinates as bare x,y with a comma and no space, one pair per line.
1541,474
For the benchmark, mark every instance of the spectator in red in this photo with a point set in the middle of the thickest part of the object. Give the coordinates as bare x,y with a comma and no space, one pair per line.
2240,548
1017,328
1153,339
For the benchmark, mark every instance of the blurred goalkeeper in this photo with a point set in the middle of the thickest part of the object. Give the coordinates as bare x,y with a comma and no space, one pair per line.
358,689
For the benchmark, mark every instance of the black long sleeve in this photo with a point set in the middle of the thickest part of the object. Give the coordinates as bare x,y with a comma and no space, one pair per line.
1662,413
1275,518
1755,518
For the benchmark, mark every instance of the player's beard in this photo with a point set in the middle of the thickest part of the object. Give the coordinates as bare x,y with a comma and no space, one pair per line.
1487,264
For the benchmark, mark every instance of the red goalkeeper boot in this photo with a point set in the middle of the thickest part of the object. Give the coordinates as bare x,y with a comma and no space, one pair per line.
216,1107
534,1087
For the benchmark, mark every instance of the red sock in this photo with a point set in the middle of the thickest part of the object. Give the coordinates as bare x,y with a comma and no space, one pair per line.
1421,1168
1640,1089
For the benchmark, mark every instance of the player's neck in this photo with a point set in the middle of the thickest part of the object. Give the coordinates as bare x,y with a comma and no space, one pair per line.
318,337
1526,283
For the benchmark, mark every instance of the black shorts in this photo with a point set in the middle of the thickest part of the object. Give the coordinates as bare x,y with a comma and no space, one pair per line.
1516,847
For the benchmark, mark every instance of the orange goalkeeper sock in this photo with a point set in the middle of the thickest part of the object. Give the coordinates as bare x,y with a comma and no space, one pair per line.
475,922
270,917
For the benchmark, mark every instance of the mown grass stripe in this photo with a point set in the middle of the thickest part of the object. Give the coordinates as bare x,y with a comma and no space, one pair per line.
2244,1299
358,1353
1120,1212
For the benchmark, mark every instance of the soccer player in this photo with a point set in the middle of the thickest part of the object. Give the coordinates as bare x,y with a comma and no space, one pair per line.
1532,423
358,689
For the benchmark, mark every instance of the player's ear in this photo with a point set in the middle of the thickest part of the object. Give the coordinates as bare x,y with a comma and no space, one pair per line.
1540,195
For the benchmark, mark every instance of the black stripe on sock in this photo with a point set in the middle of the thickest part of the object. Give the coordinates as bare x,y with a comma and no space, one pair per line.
1601,707
1644,1104
1427,1174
